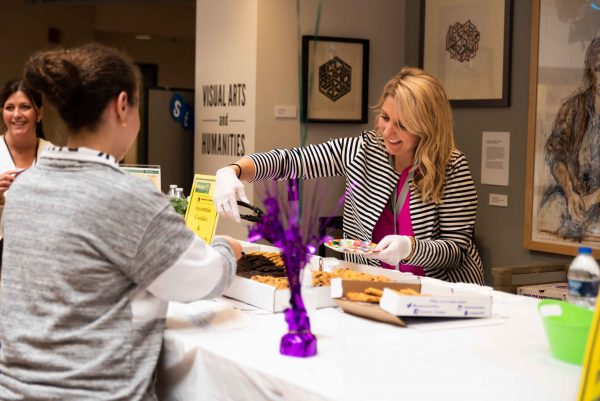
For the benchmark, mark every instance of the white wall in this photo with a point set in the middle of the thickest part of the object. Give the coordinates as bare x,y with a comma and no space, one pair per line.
226,62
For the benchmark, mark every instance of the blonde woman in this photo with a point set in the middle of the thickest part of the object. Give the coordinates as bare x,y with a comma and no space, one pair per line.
408,188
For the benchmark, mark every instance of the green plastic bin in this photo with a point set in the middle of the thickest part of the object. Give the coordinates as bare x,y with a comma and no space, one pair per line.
567,328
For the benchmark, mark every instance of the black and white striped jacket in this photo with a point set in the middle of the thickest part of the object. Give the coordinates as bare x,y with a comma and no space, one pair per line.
443,233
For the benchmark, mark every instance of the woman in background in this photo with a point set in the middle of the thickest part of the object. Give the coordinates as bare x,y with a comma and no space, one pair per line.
23,141
92,255
407,186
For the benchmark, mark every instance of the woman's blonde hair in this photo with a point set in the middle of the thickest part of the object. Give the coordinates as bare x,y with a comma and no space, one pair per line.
424,111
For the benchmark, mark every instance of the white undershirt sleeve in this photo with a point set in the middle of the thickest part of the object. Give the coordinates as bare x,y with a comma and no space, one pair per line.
202,271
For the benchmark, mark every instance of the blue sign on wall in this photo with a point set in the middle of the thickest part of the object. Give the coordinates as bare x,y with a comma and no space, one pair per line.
182,112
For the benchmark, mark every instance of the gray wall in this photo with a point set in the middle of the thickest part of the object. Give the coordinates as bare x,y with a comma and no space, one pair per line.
380,21
499,230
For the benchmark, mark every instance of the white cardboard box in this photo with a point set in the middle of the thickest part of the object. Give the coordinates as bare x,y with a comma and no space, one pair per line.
267,297
545,291
439,303
443,300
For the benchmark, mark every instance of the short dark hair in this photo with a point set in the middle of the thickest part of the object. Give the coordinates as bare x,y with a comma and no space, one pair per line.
18,85
81,81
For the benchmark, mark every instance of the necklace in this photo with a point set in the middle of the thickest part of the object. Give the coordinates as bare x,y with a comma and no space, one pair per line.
37,143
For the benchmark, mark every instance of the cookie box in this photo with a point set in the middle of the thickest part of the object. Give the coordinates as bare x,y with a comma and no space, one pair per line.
441,300
267,297
556,291
340,287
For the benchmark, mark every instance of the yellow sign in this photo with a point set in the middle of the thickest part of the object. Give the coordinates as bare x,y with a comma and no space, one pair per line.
201,215
589,388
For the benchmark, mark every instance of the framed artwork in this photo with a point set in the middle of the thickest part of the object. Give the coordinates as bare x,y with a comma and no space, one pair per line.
466,45
335,79
562,194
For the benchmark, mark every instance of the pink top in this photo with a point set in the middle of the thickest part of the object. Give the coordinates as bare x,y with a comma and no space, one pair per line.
385,225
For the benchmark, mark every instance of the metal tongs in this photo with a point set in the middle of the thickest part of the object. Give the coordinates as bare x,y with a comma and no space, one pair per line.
254,218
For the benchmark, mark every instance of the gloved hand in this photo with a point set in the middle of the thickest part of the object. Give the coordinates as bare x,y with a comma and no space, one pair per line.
393,249
228,189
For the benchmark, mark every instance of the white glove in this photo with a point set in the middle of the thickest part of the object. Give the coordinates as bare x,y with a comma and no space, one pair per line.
228,189
393,249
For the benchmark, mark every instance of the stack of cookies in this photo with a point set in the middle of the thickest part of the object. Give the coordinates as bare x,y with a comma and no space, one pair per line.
260,264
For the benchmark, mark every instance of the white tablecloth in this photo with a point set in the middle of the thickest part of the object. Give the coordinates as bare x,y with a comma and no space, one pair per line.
225,350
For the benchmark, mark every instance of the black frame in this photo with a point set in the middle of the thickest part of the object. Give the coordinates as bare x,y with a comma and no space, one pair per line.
306,39
506,67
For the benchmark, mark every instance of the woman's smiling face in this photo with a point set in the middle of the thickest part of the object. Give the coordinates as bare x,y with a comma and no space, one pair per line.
19,114
397,140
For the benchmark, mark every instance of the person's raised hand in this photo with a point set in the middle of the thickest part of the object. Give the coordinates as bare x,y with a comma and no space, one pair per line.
6,180
235,245
228,189
392,249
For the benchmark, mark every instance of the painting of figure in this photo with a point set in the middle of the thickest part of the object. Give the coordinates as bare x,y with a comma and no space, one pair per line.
562,193
571,207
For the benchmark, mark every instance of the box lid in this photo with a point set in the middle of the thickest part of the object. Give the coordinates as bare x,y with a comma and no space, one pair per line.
369,311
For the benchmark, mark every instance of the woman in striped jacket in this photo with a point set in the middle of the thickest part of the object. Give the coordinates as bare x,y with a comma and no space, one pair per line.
408,187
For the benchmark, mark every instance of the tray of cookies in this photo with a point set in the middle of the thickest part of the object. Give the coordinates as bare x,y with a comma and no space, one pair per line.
261,279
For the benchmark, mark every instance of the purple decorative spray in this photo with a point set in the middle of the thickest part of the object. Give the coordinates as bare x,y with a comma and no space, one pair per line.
296,250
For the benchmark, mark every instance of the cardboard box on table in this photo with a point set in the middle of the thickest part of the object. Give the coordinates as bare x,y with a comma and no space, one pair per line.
545,291
267,297
442,300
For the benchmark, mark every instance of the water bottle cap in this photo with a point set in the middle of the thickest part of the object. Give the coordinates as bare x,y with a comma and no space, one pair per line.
173,186
585,250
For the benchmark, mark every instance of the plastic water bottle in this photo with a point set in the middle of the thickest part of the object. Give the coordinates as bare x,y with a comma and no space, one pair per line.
583,278
178,199
172,191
